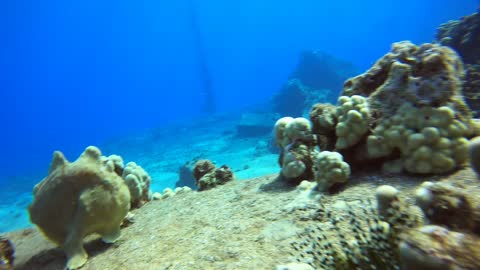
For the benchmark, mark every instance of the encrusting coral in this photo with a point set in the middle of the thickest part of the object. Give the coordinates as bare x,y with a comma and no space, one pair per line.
394,235
78,199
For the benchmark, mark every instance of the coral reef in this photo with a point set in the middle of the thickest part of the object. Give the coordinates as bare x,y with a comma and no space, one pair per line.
361,241
394,235
324,119
433,247
78,199
297,144
330,170
418,120
353,117
208,176
405,114
449,205
138,182
464,36
7,253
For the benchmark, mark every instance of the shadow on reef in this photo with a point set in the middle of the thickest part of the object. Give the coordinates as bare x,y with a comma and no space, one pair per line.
54,259
278,185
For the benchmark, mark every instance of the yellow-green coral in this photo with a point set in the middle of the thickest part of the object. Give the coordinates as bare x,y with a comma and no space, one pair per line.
280,128
288,129
138,182
292,166
428,139
330,169
353,119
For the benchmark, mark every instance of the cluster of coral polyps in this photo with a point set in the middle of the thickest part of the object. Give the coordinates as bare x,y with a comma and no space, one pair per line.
86,196
299,158
406,114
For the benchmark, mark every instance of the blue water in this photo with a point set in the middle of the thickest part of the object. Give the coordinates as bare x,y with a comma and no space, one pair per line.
75,73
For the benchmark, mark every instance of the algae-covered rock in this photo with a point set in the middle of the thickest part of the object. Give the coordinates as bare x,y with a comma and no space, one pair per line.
78,199
449,205
208,176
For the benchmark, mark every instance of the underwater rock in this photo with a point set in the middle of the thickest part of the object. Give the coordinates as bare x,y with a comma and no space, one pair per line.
208,176
185,175
318,77
462,35
202,167
7,254
474,154
320,70
254,125
471,87
449,205
84,197
432,247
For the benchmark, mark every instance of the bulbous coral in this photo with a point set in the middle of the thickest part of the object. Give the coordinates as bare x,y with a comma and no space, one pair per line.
138,182
330,169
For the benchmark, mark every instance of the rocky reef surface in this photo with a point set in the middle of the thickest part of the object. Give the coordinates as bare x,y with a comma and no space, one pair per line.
240,225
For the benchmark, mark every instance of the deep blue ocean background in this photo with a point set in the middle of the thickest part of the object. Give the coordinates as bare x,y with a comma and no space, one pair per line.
76,73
